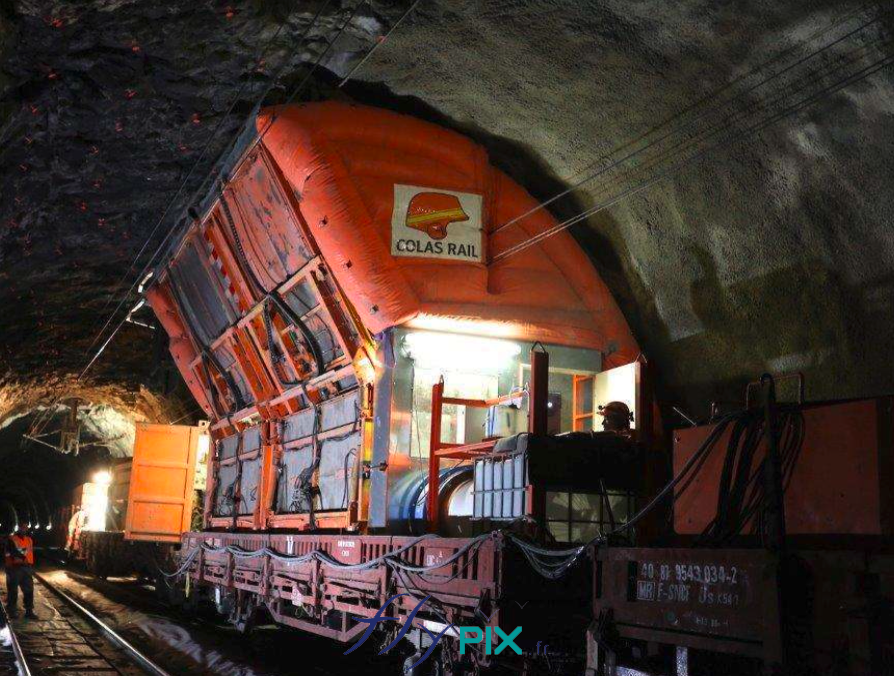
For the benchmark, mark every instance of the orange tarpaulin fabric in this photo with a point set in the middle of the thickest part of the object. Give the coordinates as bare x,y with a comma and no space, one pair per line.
402,211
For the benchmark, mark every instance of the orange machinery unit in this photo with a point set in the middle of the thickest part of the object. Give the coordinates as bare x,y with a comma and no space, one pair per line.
340,269
839,485
126,518
169,465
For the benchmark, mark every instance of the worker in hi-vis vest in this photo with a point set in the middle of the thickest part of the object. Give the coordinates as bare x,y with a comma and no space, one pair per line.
19,572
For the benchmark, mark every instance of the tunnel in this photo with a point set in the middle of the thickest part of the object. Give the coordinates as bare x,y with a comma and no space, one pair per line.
446,338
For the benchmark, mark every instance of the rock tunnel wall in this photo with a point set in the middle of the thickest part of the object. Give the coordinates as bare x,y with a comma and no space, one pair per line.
777,255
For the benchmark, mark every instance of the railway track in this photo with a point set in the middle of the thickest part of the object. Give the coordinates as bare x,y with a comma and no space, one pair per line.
67,638
12,661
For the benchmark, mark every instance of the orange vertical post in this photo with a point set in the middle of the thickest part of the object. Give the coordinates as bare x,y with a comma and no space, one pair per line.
270,450
434,462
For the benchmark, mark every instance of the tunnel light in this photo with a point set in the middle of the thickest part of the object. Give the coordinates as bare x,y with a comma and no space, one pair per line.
103,478
95,503
49,526
455,352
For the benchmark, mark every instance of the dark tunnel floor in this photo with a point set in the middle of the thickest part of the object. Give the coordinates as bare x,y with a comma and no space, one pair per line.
186,645
60,643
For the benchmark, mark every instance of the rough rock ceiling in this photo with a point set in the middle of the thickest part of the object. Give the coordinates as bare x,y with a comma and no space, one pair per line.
777,255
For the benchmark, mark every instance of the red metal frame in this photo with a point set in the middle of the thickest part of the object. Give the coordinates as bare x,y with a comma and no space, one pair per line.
318,589
438,450
538,412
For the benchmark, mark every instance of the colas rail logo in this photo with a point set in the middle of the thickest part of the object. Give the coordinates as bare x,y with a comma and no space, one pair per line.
431,223
467,635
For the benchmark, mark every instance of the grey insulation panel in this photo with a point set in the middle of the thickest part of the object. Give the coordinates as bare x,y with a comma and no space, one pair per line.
336,462
336,412
337,459
224,490
210,310
228,363
289,498
250,487
251,441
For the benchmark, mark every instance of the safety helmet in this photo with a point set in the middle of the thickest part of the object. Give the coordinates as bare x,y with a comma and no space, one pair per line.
617,416
432,212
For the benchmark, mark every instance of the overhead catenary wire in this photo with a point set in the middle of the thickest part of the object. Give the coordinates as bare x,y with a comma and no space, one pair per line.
201,188
602,206
41,421
195,410
636,188
216,130
669,153
204,186
681,116
381,41
257,140
632,190
196,193
694,138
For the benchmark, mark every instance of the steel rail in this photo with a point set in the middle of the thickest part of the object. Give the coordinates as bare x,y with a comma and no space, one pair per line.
114,637
24,669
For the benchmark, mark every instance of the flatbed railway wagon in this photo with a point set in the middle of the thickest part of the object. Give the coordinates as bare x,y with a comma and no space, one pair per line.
781,558
391,398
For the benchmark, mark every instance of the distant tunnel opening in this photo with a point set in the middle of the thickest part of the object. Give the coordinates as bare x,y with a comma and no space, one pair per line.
51,445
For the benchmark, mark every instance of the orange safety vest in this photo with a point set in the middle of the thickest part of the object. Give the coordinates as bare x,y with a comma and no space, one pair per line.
26,545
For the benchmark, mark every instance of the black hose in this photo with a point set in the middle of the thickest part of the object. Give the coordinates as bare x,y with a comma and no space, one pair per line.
206,354
310,339
741,491
249,271
237,483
